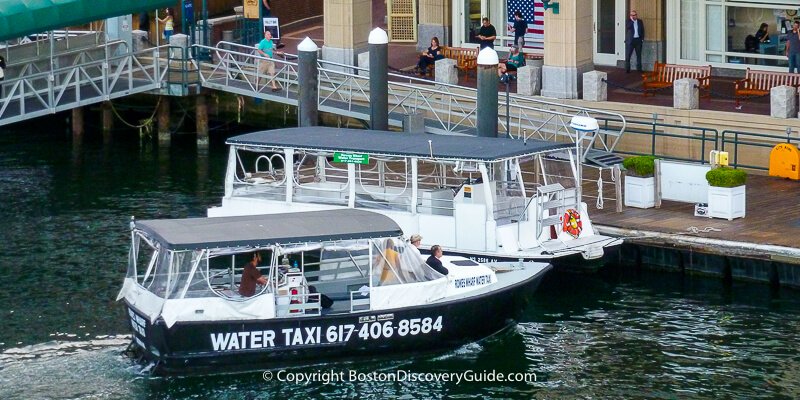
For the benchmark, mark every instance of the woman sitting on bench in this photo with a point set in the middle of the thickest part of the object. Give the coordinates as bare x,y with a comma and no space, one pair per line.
429,57
515,60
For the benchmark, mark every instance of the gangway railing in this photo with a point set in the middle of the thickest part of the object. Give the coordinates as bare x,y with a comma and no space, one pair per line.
86,81
451,109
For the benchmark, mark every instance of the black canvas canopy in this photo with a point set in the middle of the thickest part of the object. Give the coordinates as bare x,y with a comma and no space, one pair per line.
468,148
263,230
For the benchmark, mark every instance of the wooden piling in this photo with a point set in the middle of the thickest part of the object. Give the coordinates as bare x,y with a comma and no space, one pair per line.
163,121
77,124
201,116
108,121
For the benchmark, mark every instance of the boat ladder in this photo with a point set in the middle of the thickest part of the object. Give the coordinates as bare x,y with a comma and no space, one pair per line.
550,206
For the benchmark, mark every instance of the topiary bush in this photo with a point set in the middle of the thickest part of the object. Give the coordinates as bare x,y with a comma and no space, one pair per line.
641,166
726,177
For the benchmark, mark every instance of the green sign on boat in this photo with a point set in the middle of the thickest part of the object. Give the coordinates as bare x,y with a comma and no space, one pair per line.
351,158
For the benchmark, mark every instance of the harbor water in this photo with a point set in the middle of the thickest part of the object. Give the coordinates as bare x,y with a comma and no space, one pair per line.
616,333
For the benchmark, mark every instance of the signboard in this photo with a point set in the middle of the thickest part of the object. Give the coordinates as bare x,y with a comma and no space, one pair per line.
351,158
251,9
271,24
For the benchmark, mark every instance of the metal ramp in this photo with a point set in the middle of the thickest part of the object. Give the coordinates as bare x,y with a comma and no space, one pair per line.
602,159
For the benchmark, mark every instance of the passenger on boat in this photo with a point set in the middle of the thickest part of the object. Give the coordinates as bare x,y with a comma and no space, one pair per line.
389,262
251,276
434,260
416,242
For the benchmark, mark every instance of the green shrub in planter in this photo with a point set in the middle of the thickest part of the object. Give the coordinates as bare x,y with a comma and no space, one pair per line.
726,177
641,166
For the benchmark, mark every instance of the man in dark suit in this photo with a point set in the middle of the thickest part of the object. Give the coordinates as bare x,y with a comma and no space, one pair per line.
434,260
634,36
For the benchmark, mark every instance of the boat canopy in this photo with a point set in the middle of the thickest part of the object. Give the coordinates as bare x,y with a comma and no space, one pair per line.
20,18
263,230
468,148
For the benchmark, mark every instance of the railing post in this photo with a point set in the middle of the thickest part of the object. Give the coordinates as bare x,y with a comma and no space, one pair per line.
487,92
617,173
307,80
657,185
379,79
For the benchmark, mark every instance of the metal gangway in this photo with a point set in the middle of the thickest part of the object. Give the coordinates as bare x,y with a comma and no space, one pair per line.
447,109
52,82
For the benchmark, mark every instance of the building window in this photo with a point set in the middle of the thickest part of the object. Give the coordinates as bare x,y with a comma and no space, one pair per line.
728,32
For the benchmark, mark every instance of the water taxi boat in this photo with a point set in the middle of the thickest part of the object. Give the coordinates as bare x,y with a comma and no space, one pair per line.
334,283
497,201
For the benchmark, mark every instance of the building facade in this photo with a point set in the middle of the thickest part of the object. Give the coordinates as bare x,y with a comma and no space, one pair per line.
696,32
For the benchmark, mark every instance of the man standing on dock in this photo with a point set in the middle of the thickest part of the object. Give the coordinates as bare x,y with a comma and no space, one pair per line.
487,34
267,49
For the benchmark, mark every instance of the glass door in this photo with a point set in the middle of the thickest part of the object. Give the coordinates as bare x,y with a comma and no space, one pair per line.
609,34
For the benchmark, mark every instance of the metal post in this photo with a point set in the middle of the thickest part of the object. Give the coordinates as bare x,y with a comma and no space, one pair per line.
487,92
508,107
379,79
307,77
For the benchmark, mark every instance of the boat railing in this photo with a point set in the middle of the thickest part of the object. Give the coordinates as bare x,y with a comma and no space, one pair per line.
359,301
298,305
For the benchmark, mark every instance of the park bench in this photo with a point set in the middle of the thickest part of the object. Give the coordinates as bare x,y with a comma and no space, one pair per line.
466,58
665,75
759,83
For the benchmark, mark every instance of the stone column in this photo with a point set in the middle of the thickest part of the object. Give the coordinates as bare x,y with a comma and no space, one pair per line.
529,80
446,71
307,75
594,86
783,102
347,24
139,40
686,94
379,79
487,92
434,20
567,49
651,12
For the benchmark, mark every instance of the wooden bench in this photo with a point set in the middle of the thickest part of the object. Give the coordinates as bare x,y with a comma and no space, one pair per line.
759,83
466,58
665,75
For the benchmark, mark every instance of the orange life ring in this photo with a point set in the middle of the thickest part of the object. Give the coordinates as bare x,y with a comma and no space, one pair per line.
571,222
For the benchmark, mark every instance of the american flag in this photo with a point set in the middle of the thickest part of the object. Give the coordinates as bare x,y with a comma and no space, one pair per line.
533,12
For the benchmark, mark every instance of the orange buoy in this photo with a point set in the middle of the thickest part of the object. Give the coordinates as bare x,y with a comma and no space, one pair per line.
572,222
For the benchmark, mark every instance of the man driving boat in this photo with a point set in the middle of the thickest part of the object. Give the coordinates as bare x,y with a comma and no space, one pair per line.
251,276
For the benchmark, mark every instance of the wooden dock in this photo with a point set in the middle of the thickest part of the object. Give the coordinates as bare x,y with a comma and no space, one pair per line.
772,216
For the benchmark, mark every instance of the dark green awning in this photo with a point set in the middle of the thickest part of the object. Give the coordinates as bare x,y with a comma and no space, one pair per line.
23,17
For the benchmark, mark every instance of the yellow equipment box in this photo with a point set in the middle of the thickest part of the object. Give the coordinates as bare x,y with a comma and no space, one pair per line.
784,161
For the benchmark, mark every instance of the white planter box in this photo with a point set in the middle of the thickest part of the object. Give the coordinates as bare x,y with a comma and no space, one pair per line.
640,192
726,203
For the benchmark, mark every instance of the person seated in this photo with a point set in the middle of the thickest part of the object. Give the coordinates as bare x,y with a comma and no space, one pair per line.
251,276
429,57
763,33
416,241
389,264
515,60
435,262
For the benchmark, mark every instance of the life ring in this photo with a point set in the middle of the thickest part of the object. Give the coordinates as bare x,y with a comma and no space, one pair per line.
571,222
